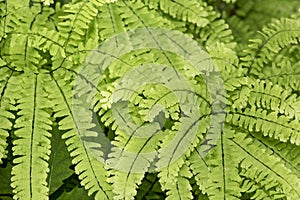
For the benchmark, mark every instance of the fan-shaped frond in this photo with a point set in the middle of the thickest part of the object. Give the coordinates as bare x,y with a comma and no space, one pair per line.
149,99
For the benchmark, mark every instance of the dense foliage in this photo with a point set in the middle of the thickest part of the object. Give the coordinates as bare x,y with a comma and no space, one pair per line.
149,99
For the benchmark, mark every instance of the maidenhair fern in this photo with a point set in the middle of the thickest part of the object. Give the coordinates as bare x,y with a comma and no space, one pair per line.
149,99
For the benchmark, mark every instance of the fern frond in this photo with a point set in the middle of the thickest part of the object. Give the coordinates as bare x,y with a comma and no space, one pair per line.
253,184
217,173
5,106
4,127
32,144
14,53
278,35
141,107
201,20
3,14
226,61
135,148
89,168
129,155
131,161
126,189
216,31
114,25
49,46
76,22
284,70
136,144
249,161
181,188
286,151
137,15
267,96
14,12
271,124
187,11
273,172
18,49
256,186
173,156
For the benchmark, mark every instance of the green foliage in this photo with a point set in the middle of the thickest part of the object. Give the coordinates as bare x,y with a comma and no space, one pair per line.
154,117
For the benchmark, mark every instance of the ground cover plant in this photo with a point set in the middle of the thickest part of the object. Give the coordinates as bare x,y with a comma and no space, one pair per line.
149,99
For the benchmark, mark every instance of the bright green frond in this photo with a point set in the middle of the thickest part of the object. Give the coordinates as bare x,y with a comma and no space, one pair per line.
268,96
264,170
270,123
188,11
137,15
217,173
274,38
76,22
4,127
5,106
181,188
216,31
89,168
32,144
20,50
114,25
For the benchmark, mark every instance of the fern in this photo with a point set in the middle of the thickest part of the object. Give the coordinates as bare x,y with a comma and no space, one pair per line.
139,99
33,127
